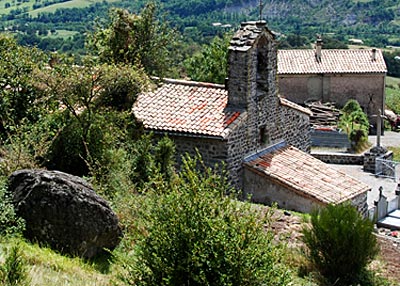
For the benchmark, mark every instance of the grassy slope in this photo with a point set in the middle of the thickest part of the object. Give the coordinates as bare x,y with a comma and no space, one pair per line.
69,4
47,268
51,8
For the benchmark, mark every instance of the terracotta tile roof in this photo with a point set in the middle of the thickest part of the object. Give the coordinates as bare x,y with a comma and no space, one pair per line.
304,174
332,61
194,108
295,106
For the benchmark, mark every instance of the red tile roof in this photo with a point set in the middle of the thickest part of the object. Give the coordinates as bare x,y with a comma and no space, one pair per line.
305,175
332,61
185,106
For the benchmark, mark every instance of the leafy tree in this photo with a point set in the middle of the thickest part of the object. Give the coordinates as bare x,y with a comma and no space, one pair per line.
210,64
91,95
340,243
333,43
392,63
196,235
294,41
355,123
140,40
164,157
19,99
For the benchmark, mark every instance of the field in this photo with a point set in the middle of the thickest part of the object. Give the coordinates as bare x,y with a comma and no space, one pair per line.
6,6
393,94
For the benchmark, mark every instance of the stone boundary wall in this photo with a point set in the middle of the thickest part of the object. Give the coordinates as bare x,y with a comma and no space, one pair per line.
370,160
339,158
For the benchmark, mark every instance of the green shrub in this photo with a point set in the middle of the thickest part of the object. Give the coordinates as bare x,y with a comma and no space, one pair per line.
152,160
10,224
340,243
14,272
82,151
195,235
355,123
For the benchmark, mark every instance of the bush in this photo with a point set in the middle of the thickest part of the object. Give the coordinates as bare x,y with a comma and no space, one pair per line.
340,243
81,152
150,161
355,123
196,235
10,224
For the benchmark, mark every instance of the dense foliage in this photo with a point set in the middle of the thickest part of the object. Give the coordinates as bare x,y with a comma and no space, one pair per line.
196,235
374,22
19,100
340,244
354,122
210,64
140,40
10,224
392,60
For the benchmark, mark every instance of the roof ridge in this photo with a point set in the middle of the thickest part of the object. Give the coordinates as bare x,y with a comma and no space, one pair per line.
268,149
191,83
350,50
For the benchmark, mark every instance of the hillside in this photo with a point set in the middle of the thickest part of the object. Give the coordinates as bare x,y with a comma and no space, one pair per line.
376,23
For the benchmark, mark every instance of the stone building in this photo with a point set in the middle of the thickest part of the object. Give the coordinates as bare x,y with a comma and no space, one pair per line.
228,122
238,121
297,181
334,76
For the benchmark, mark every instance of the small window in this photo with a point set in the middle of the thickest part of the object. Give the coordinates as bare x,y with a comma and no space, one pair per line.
263,135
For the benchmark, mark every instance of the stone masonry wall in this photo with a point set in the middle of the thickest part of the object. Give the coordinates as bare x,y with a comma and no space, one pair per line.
262,190
366,89
295,128
339,158
213,151
252,86
252,89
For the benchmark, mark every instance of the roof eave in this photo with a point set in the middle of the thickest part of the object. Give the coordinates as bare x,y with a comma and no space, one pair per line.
301,192
185,134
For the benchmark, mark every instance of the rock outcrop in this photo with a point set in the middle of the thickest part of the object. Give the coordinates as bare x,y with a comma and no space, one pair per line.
63,212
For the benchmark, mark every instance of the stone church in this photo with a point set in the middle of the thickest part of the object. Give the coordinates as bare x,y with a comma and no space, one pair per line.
247,125
229,122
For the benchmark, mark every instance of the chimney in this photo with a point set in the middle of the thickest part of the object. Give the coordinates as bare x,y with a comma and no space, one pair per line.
318,49
373,56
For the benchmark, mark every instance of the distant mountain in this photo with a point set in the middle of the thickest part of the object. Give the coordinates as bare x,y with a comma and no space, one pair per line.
60,25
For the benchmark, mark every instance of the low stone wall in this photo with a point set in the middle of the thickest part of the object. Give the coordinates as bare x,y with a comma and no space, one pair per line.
370,160
339,158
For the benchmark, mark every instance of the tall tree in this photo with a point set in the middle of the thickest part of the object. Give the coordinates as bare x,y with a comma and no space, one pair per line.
19,99
210,64
91,96
141,40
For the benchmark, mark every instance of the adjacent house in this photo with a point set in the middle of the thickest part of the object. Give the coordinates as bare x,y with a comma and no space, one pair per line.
334,76
237,120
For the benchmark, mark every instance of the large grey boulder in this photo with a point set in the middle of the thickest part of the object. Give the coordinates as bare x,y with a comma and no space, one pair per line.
63,212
